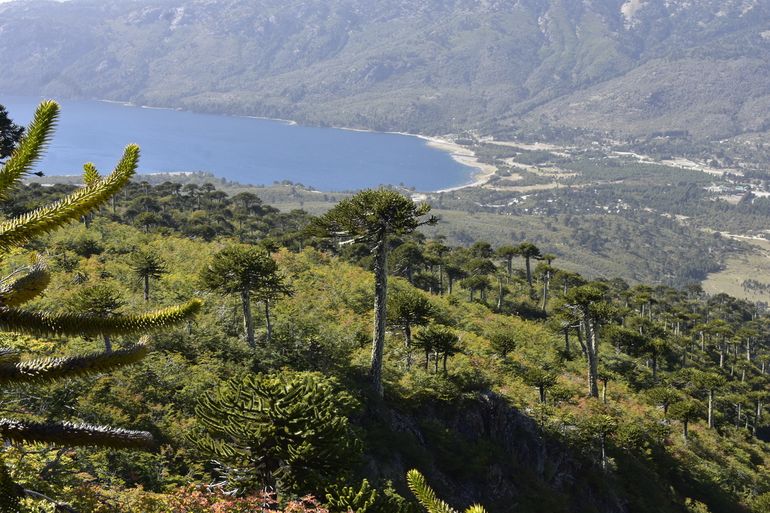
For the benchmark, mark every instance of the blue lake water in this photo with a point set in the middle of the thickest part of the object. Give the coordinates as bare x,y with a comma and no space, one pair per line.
246,150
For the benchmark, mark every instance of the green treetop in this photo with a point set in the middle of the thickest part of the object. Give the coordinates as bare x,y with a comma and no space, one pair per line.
147,265
250,272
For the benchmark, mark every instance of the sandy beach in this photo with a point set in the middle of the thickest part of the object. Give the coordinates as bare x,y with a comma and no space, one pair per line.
464,156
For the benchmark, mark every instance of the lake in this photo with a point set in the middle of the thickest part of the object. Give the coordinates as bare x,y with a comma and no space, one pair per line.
247,150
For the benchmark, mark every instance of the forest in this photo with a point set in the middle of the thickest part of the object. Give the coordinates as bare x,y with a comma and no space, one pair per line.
172,348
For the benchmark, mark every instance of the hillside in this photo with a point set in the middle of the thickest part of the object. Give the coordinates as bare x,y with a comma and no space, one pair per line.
629,67
502,415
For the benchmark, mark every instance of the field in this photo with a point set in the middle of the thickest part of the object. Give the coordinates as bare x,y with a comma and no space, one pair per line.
753,265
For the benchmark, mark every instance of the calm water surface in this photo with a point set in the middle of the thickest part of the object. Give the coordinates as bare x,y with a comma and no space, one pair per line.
247,150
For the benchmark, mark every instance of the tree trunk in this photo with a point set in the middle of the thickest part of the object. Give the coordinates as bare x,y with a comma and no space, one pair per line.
408,343
499,293
529,271
450,282
107,344
580,339
566,341
380,305
248,319
711,409
146,287
268,323
440,279
445,358
541,389
685,430
592,346
546,284
604,452
604,391
509,264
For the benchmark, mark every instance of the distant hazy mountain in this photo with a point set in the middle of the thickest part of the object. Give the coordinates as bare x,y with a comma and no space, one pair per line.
636,67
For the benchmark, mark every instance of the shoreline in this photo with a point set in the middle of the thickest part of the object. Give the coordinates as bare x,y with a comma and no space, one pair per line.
460,154
480,173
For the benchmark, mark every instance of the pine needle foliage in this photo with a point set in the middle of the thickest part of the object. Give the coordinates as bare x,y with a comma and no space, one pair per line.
428,498
25,284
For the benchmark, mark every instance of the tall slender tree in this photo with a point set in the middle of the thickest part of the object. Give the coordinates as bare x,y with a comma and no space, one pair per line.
528,252
507,253
587,304
250,272
146,265
371,217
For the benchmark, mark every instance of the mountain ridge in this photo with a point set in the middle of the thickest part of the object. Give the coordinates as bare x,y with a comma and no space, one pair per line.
433,67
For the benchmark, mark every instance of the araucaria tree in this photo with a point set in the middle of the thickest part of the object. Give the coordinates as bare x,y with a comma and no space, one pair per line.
147,265
250,272
19,288
286,431
528,251
587,305
408,308
371,217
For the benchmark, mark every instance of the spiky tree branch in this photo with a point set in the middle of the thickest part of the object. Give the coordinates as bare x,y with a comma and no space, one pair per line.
46,369
41,323
428,498
30,147
25,288
24,228
69,434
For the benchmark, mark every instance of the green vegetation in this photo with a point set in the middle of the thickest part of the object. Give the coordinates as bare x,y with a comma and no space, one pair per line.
26,283
551,392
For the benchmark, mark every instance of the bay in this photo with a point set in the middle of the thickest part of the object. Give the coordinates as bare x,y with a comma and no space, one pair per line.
247,150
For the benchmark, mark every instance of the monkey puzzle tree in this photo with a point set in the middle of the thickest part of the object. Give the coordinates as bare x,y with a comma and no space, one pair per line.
507,253
407,308
371,217
709,382
19,288
542,378
288,431
685,412
440,340
250,272
528,251
588,305
146,265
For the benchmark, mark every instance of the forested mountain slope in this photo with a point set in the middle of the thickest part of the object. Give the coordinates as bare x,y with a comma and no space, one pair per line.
484,374
635,67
